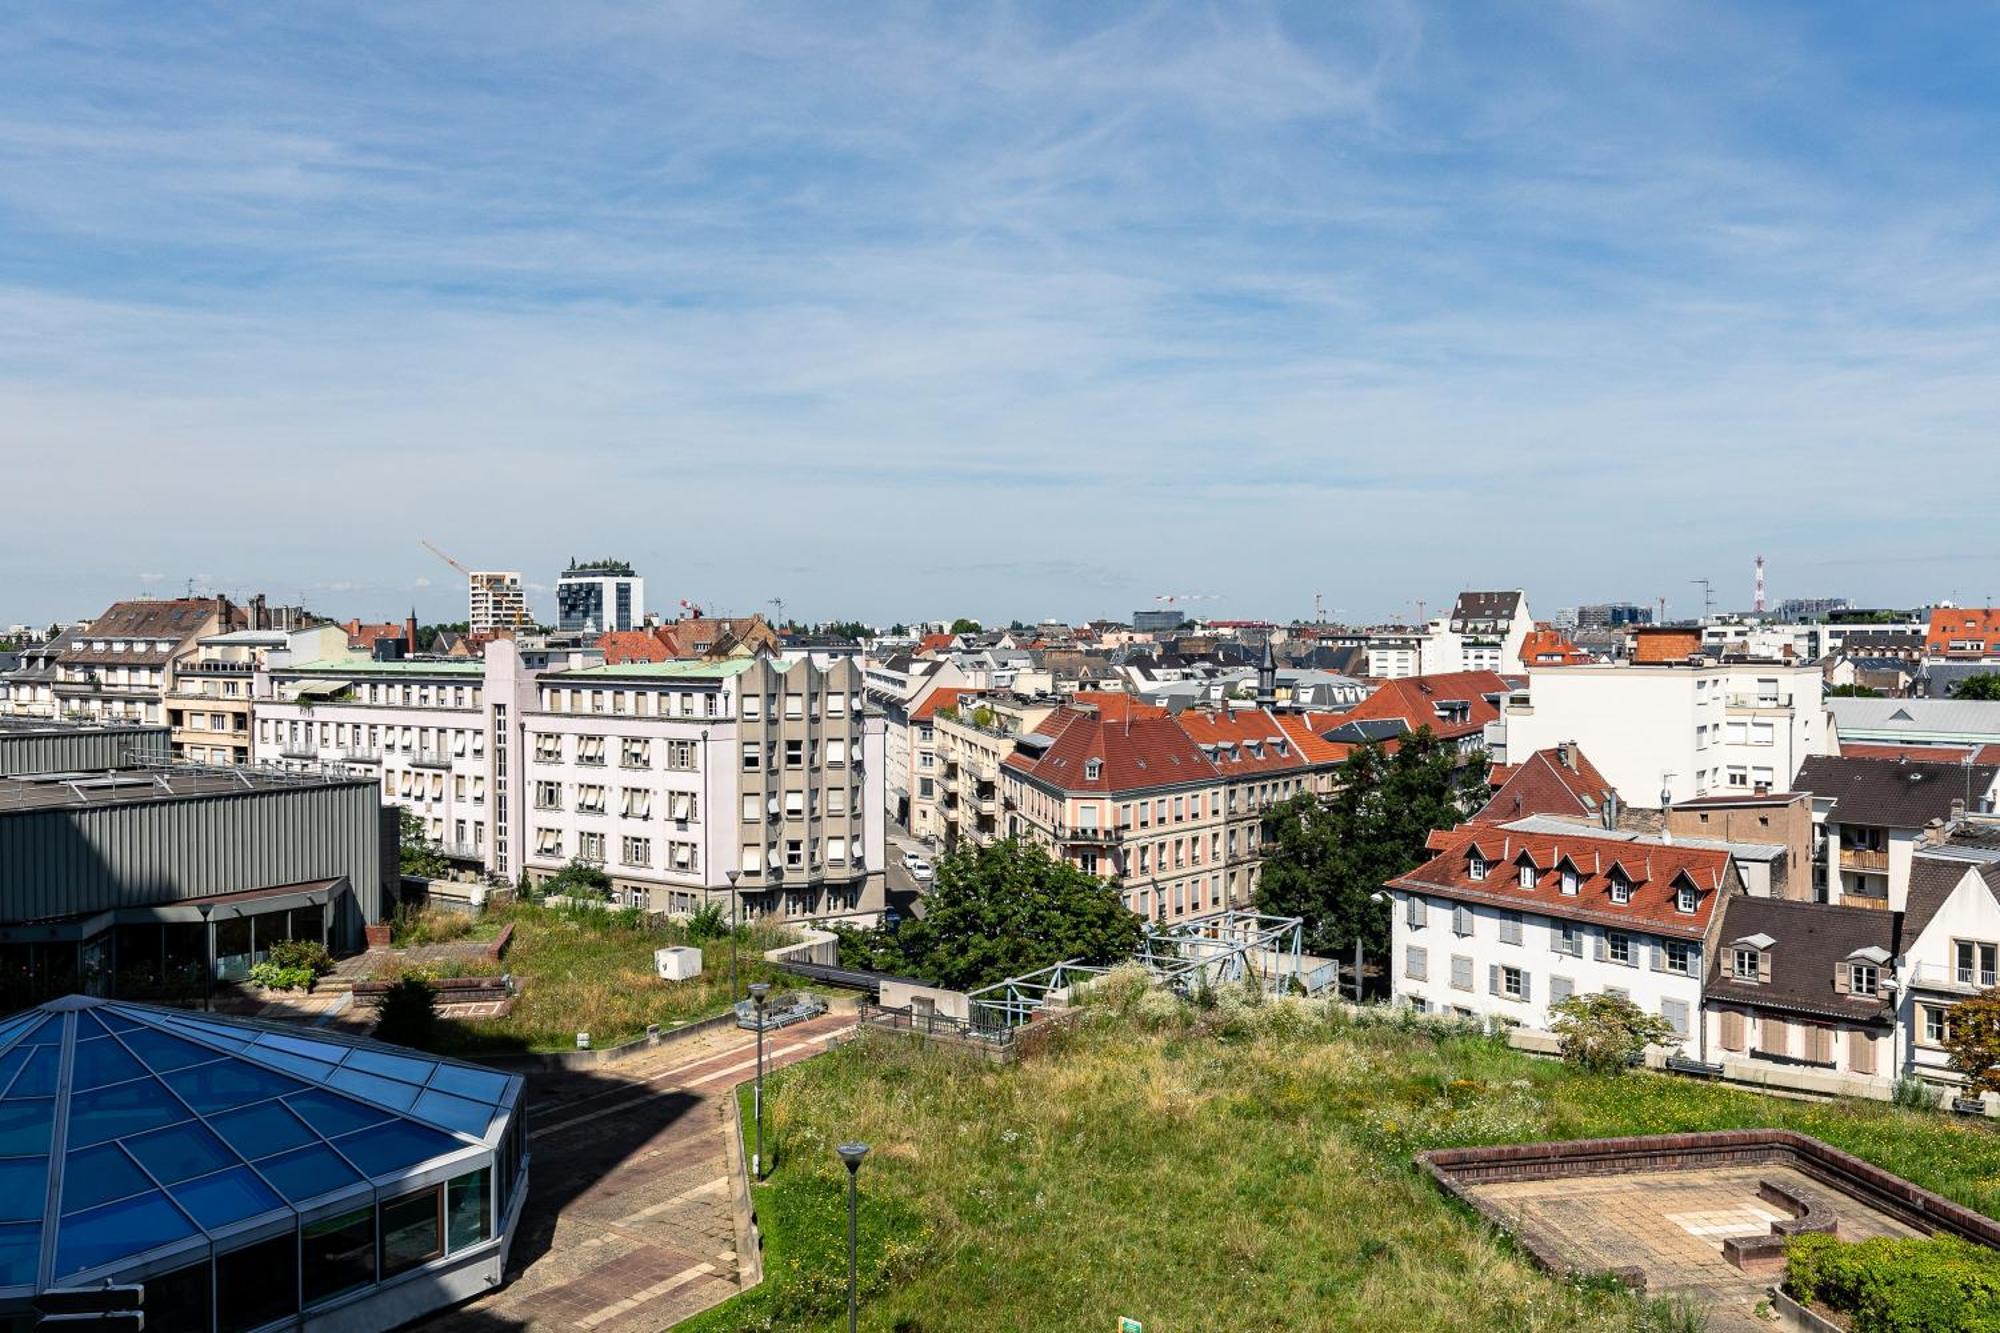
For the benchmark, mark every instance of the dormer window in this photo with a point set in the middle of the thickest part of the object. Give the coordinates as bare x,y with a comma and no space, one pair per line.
1570,882
1862,978
1528,875
1091,768
1475,866
1745,965
1621,887
1684,900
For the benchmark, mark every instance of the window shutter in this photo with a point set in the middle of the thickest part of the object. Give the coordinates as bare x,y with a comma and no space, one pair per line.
1732,1030
1764,965
1659,952
1676,1013
1819,1046
1773,1036
1861,1052
1527,987
1560,989
1597,948
1840,979
1493,978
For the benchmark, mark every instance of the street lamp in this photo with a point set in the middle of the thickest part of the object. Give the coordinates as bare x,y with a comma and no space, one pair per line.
731,877
207,958
850,1157
758,990
1376,897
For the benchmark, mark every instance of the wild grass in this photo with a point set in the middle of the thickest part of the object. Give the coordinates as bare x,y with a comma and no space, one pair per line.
587,969
1242,1167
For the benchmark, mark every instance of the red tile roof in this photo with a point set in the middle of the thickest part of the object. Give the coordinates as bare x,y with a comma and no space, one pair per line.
944,696
1244,741
1978,626
1113,706
1542,784
1920,754
1655,870
1547,647
1308,733
633,645
1415,700
1132,756
934,643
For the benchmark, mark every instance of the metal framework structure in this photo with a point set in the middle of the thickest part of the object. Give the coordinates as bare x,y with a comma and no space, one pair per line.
1183,957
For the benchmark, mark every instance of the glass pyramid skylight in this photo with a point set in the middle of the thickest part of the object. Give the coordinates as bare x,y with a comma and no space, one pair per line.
165,1128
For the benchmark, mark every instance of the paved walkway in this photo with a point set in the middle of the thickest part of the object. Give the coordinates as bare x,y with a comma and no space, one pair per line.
630,1219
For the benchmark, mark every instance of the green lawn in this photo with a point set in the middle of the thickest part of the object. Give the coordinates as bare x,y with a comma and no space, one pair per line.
592,971
1241,1170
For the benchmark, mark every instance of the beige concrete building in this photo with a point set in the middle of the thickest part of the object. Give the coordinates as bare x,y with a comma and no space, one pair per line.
209,699
973,739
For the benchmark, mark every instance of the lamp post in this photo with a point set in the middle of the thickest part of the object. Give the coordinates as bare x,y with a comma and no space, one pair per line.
731,877
1376,897
850,1157
207,958
758,990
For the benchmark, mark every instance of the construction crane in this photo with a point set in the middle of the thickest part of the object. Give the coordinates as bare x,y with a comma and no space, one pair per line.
442,556
1171,597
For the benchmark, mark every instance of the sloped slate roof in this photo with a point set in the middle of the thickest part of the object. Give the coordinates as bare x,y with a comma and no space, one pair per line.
1811,941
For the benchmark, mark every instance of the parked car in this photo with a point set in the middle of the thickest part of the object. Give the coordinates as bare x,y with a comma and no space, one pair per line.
920,869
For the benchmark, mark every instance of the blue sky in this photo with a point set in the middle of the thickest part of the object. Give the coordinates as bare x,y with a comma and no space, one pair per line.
895,311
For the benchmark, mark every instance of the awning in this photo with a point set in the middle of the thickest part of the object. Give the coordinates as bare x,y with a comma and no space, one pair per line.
322,689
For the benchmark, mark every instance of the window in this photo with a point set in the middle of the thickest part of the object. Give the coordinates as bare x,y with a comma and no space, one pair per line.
753,756
1676,1014
1570,882
753,708
466,1209
1528,876
1414,910
589,798
337,1254
795,853
1513,983
257,1284
1560,989
1510,927
1475,866
795,754
590,846
636,803
412,1231
1621,887
635,753
1619,948
1976,963
753,858
1569,939
636,851
1677,956
548,842
590,750
1684,900
1937,1023
1861,978
1461,972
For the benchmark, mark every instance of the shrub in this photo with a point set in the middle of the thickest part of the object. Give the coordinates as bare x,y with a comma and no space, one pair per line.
410,926
276,976
310,955
1913,1094
707,924
1604,1034
408,1015
1938,1284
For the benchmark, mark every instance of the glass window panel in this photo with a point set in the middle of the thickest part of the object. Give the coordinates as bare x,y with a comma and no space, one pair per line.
482,1084
410,1231
11,1062
163,1052
392,1066
179,1153
257,1284
338,1253
316,1070
375,1088
455,1112
228,1083
394,1146
312,1050
114,1112
24,1127
38,1079
466,1210
225,1197
130,1226
20,1254
100,1062
88,1026
99,1175
234,1039
24,1186
307,1173
47,1032
262,1130
117,1022
180,1299
15,1026
331,1114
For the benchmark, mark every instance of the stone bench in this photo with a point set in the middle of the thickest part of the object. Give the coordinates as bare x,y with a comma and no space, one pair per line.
1766,1253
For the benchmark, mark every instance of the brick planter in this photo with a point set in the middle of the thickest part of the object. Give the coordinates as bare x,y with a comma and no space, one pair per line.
451,990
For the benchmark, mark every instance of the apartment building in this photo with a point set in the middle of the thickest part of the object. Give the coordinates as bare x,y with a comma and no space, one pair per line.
1261,763
495,601
209,703
686,781
1667,731
1964,633
1484,632
1502,923
973,734
29,690
1871,816
1950,944
900,687
599,597
120,668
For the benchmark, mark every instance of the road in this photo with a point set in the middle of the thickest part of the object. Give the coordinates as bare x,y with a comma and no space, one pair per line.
905,894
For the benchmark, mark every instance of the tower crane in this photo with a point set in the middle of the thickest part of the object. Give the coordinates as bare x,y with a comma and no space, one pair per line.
442,556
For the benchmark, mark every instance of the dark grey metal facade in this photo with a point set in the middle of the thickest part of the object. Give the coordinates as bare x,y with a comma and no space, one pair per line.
60,861
54,747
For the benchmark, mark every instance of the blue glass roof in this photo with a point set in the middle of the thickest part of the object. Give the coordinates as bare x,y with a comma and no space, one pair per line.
169,1126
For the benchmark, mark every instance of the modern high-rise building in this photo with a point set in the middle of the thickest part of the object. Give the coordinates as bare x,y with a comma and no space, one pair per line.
497,601
1612,615
598,596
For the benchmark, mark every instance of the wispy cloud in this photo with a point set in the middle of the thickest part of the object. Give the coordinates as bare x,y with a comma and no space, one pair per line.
1020,309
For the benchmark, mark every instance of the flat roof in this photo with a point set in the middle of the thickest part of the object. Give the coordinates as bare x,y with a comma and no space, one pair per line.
50,726
668,670
406,666
126,786
261,638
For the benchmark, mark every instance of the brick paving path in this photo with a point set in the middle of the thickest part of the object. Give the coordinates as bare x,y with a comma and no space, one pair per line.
630,1219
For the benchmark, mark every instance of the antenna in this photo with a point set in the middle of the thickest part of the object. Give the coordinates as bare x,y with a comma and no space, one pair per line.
778,604
1707,596
1757,603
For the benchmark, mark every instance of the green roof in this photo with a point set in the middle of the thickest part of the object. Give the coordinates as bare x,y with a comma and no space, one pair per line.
672,670
368,666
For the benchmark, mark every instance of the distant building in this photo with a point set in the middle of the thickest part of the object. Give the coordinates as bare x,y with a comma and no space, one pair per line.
496,601
1157,622
1964,633
1613,615
122,666
599,596
1807,608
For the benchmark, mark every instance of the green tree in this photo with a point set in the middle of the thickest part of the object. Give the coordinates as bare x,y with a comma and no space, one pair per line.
408,1014
1984,686
1605,1034
415,852
1972,1039
1008,908
982,716
1853,692
579,879
964,626
1323,859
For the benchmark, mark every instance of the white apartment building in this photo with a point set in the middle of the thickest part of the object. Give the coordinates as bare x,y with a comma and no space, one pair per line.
1484,632
1505,924
899,687
687,780
1394,654
1950,949
1671,732
495,601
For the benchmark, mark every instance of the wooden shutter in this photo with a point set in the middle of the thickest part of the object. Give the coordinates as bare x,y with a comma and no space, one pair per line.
1659,955
1774,1036
1819,1043
1597,948
1527,986
1493,978
1732,1030
1841,976
1764,966
1860,1052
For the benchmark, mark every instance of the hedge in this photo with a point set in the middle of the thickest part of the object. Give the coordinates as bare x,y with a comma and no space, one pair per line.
1939,1284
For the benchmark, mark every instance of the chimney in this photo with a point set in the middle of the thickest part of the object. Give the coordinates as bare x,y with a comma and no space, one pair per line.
1611,810
1564,754
260,618
410,632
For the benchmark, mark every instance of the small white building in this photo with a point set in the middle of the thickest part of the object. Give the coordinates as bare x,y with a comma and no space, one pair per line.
1950,948
1504,924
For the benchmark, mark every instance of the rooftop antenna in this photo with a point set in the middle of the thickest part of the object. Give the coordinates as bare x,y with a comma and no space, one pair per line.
778,603
1707,597
1757,603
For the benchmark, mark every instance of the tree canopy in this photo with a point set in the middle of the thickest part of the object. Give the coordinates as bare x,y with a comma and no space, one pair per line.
965,626
1985,686
1004,909
1322,859
1972,1037
1853,692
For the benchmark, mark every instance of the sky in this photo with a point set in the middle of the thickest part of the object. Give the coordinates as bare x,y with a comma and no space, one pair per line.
1010,311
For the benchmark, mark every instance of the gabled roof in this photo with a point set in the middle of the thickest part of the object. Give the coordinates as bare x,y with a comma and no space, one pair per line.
1921,754
145,622
944,696
1655,870
1559,781
1305,731
935,643
1933,879
1115,705
1548,647
1808,943
1415,700
632,645
1889,793
1242,742
1138,755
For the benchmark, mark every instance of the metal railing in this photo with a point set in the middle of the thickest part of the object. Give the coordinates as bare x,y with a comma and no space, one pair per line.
1945,977
1759,701
905,1019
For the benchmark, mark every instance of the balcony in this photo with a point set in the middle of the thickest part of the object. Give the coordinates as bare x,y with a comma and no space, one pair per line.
430,759
1959,980
1864,861
298,750
1097,836
361,754
461,851
987,804
1756,701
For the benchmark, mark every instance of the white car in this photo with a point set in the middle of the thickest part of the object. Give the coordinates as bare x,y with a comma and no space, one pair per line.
919,868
